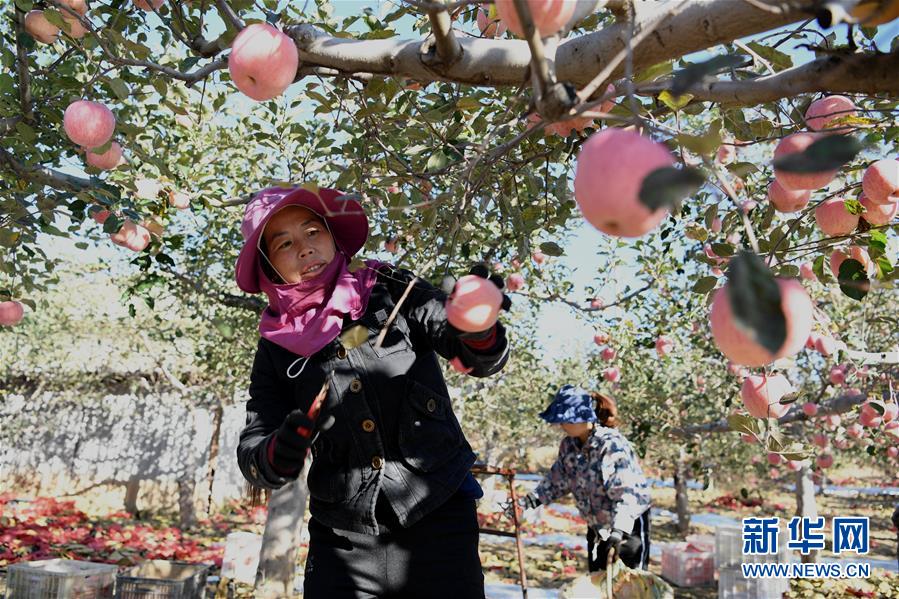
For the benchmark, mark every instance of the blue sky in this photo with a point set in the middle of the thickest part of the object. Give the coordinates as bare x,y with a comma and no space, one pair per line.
580,258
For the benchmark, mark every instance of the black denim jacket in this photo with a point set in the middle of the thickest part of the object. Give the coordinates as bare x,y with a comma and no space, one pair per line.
395,431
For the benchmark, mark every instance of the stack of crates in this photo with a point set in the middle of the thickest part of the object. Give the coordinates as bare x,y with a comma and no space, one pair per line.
728,557
60,579
688,564
160,579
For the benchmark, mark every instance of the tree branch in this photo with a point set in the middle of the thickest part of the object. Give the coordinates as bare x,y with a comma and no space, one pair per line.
7,125
44,175
22,67
697,26
228,14
444,42
841,404
864,73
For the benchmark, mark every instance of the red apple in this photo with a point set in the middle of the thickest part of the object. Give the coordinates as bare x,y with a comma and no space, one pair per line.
810,408
11,313
474,304
38,27
787,200
664,345
740,348
611,167
821,113
89,124
109,159
263,61
834,219
514,282
821,440
878,214
179,200
761,395
838,375
825,460
608,354
881,181
611,374
855,252
601,338
548,16
149,5
798,142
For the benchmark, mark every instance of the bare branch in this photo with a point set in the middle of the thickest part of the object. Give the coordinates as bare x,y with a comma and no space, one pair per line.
228,15
865,72
447,46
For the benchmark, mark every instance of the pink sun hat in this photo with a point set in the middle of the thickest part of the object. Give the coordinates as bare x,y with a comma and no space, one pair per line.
342,214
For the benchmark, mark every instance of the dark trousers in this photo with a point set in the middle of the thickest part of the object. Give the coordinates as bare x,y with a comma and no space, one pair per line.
634,550
435,557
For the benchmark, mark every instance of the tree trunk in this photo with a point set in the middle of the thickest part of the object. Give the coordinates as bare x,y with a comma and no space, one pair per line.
281,540
805,503
681,501
187,509
217,416
132,490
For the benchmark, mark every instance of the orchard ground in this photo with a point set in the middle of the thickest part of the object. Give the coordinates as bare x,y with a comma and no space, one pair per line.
89,527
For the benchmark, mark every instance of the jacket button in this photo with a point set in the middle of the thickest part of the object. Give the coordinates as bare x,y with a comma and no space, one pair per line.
341,352
253,472
356,386
368,425
432,405
377,462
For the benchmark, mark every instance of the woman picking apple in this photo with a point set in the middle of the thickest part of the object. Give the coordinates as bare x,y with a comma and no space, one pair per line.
598,465
392,497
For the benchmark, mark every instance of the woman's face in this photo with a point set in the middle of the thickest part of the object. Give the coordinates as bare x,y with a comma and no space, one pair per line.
299,244
576,429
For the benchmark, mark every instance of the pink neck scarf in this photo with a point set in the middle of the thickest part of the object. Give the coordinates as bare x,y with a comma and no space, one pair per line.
304,317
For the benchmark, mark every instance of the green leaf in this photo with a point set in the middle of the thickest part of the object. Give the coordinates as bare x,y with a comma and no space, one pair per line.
437,161
702,144
55,18
655,71
725,250
467,103
112,224
226,330
755,301
8,238
853,207
779,60
878,241
828,153
26,133
665,187
119,88
853,279
710,215
551,248
673,102
694,73
705,284
818,268
743,424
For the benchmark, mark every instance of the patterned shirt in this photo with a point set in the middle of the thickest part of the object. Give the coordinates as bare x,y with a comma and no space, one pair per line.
603,474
